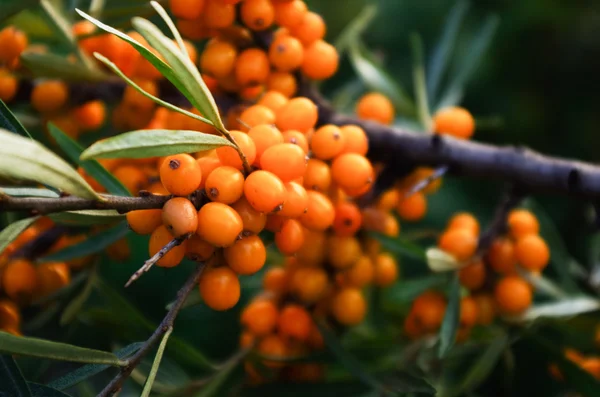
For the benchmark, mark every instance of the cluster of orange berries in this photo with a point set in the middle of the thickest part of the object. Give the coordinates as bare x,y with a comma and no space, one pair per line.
493,282
591,364
24,282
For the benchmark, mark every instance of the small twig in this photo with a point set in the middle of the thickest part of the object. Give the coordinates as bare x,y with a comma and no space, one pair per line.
156,257
43,206
511,199
41,244
115,385
423,183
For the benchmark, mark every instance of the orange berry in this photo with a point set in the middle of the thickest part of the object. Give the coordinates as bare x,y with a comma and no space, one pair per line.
501,256
309,284
513,295
8,85
260,317
180,174
385,270
10,317
257,14
348,219
297,138
472,276
352,171
310,29
461,243
49,96
361,273
131,176
412,208
464,220
343,252
218,59
285,160
186,9
246,256
274,100
592,365
180,216
314,248
355,140
521,223
276,280
290,14
252,67
12,43
193,29
219,224
218,14
90,115
219,288
256,115
265,191
52,276
264,136
376,107
532,252
229,156
298,114
282,82
321,60
136,100
275,223
468,312
454,121
429,309
273,346
296,201
327,142
144,221
253,221
294,322
349,306
198,250
290,238
158,239
317,175
320,213
486,309
380,221
286,53
225,185
207,165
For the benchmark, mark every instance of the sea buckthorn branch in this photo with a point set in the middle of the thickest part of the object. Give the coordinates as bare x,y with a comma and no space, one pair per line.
527,169
156,257
41,244
510,200
43,206
115,385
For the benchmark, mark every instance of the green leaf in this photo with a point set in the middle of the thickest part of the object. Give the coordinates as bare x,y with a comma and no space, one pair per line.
12,382
222,378
139,89
93,244
28,192
407,290
87,371
12,231
156,364
438,63
451,318
150,143
96,170
170,378
400,246
58,67
440,261
165,16
38,390
87,217
482,367
159,64
348,361
420,83
469,62
184,68
377,79
9,121
77,303
9,8
35,347
25,159
564,308
355,28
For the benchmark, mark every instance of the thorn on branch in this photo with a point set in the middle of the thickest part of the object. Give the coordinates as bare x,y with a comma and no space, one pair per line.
156,257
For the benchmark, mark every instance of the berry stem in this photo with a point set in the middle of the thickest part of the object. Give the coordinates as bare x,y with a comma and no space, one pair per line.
115,385
227,135
510,200
156,257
